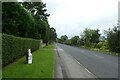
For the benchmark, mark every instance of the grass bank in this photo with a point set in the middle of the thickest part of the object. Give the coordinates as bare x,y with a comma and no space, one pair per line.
42,67
99,50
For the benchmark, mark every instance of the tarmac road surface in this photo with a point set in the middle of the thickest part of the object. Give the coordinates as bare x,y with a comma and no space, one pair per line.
83,63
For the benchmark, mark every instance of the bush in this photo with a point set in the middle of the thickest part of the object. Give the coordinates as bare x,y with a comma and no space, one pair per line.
103,45
15,47
68,42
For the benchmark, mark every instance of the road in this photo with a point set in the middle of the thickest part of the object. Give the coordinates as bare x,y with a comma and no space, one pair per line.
100,64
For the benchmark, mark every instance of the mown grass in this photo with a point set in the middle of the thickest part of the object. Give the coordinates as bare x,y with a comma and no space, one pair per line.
42,66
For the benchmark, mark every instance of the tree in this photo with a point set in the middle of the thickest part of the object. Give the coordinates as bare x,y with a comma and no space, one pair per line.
68,42
91,36
53,35
44,31
63,38
38,10
14,21
74,40
80,42
113,36
27,19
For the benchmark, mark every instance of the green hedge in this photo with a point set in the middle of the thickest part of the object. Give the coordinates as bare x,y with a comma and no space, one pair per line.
15,47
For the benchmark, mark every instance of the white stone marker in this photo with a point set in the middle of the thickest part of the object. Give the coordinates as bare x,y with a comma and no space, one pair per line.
29,57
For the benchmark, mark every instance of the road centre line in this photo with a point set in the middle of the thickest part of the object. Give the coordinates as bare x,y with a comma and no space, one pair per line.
99,56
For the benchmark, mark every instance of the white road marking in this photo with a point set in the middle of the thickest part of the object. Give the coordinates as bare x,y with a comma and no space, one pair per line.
77,62
59,48
83,66
99,56
87,70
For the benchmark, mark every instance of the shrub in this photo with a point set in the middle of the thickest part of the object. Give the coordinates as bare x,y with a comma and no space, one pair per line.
15,47
103,45
68,42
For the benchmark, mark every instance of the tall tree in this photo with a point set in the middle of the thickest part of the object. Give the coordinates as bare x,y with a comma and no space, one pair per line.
27,19
53,35
14,20
91,36
38,10
113,36
74,40
63,38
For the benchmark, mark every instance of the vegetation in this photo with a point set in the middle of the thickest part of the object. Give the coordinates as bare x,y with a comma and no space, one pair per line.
74,40
14,47
53,35
103,45
14,21
88,38
42,66
91,39
27,19
38,11
114,39
63,39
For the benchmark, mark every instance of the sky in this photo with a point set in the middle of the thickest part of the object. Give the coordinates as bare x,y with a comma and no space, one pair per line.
71,17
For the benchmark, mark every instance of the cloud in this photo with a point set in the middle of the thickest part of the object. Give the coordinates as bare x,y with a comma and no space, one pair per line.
71,17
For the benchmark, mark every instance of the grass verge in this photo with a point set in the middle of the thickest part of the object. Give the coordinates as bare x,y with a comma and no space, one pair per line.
42,66
106,51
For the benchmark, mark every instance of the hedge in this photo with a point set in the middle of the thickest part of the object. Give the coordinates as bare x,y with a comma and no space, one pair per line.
14,48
